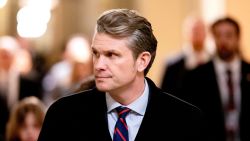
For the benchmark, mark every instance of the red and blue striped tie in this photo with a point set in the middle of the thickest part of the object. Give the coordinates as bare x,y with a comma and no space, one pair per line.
121,128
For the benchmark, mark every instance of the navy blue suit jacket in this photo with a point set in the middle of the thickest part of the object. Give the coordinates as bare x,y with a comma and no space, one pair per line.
83,117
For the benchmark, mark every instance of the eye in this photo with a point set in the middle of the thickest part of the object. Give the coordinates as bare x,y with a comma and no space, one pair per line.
94,52
110,54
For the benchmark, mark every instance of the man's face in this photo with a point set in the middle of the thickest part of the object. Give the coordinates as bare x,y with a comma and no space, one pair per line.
115,68
6,59
198,35
226,40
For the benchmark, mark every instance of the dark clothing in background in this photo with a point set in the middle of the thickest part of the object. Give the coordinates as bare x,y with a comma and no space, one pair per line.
4,115
173,76
201,88
29,87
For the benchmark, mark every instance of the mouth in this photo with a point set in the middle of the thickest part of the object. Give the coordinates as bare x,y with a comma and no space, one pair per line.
101,77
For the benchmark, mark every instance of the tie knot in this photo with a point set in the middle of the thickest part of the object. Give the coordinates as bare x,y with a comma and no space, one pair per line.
229,76
229,72
122,111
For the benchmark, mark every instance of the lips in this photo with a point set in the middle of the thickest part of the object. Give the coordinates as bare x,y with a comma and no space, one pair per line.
101,76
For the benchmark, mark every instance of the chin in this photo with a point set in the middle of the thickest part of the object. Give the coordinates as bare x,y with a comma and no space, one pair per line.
102,88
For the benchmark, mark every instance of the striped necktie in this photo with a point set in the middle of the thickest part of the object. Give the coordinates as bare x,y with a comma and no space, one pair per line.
121,128
231,131
231,104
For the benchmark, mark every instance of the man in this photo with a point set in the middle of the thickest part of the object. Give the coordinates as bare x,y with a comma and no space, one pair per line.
221,87
194,54
124,48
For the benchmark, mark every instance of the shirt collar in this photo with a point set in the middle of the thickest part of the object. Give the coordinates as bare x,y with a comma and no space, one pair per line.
193,58
138,106
221,66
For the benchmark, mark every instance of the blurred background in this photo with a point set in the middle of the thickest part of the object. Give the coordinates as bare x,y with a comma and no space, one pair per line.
44,26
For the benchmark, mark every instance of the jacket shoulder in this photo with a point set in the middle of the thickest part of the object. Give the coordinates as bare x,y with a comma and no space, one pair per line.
76,100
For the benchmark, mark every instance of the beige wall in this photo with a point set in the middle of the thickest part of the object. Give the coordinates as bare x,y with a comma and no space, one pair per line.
5,17
240,11
3,22
166,17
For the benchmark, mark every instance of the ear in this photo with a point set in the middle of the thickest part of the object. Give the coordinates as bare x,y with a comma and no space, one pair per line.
142,61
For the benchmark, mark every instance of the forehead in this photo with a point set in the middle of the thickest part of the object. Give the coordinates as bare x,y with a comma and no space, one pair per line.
102,41
226,27
198,25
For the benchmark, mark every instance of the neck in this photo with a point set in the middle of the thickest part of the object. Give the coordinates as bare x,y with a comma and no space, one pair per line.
229,59
198,48
129,93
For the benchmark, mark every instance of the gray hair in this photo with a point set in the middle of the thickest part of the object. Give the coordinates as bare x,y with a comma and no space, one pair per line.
125,23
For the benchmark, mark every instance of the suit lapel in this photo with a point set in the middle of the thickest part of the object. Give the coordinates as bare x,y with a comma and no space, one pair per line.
216,97
145,127
100,118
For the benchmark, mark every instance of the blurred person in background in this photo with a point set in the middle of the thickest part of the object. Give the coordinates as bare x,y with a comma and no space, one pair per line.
16,81
9,74
221,87
26,120
66,74
32,64
194,53
29,79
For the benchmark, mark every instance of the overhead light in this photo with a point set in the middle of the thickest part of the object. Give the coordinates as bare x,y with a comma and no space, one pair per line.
2,3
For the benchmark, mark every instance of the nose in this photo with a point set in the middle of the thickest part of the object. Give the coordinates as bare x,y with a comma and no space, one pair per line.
99,63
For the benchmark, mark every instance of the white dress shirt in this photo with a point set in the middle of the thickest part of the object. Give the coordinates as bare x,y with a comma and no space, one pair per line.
134,118
193,58
232,118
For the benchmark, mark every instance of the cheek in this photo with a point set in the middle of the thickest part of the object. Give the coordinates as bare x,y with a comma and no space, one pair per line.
125,66
128,72
23,134
36,132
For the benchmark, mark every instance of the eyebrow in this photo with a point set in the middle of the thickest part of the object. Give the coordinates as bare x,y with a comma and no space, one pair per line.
106,51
